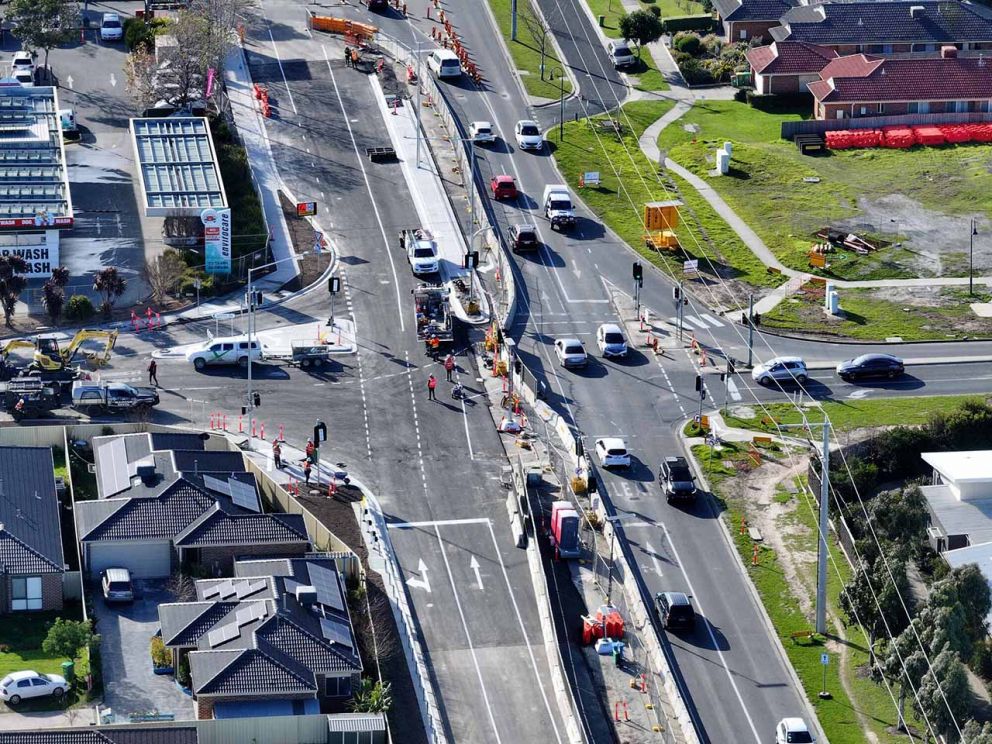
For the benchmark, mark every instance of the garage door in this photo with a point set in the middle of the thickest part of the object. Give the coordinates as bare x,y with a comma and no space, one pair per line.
144,560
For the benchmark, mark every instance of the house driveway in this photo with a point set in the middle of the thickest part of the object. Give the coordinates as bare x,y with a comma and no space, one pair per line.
130,685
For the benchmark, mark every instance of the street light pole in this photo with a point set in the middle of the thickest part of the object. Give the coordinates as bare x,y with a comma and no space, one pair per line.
971,256
750,331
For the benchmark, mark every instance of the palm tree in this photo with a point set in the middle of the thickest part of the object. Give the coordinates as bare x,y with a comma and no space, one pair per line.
111,285
12,283
60,276
53,298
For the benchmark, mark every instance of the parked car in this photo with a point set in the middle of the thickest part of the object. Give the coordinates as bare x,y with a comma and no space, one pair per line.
504,187
612,453
524,238
444,63
793,731
24,77
620,54
481,132
111,28
675,478
22,60
611,341
780,369
571,352
871,365
220,351
529,135
675,611
18,686
117,586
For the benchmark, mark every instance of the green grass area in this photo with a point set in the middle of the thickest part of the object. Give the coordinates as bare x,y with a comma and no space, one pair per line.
526,50
629,180
613,10
846,415
58,456
646,75
868,315
765,185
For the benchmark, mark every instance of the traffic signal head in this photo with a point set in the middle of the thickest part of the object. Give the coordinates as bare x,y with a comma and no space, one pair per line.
699,383
334,284
676,293
638,271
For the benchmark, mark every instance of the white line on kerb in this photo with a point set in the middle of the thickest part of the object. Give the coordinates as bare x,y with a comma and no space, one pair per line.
437,522
468,637
709,629
368,187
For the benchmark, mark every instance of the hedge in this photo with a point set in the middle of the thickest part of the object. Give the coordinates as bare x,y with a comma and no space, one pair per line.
703,22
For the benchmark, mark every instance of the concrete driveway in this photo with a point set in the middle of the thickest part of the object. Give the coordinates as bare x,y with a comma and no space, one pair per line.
130,686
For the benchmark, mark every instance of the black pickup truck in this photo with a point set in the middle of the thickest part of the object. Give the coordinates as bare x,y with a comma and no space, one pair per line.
112,396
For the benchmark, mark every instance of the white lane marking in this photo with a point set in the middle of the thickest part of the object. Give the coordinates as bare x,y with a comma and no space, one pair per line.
368,187
437,522
113,80
735,394
468,436
358,357
468,636
283,72
416,424
654,558
711,320
694,321
474,565
709,629
523,630
422,582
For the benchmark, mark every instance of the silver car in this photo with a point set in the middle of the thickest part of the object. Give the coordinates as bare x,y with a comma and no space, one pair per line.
780,369
571,352
611,341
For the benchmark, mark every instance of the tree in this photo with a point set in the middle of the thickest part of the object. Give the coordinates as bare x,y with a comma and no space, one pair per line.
905,662
164,274
53,298
875,599
139,72
66,638
111,285
225,15
60,276
44,24
539,32
642,27
944,696
12,283
372,697
975,597
977,733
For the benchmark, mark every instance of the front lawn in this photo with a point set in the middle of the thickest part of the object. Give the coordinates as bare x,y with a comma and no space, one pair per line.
613,10
526,50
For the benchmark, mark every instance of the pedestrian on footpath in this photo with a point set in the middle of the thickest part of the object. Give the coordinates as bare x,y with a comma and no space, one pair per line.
153,372
431,384
449,365
307,465
277,454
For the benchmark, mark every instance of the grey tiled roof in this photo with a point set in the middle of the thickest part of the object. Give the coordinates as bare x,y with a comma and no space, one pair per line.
134,734
304,647
152,735
751,10
217,527
162,516
30,533
245,672
55,737
183,623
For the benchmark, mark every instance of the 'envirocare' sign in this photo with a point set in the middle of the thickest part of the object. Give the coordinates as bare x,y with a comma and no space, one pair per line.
217,240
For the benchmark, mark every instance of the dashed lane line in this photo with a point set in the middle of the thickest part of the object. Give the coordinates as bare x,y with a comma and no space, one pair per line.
416,424
358,358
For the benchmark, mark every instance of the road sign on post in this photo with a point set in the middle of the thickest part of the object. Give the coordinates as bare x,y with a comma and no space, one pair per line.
690,267
825,661
471,260
306,209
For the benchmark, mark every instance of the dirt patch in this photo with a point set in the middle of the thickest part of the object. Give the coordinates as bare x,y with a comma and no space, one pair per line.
301,234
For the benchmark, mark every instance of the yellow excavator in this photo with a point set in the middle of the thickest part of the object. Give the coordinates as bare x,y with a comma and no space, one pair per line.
47,356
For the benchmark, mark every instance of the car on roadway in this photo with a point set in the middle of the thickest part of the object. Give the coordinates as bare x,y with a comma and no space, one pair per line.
22,60
523,237
116,584
675,611
780,369
481,132
18,686
422,255
793,731
226,350
612,452
611,341
528,134
376,4
871,365
504,187
111,28
571,352
24,77
444,63
675,478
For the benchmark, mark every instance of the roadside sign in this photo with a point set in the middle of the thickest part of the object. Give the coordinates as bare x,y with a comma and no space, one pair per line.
690,267
318,241
589,178
306,209
825,659
224,316
818,260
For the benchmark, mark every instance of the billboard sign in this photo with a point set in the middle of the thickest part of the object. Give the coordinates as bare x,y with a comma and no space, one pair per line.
41,259
306,209
217,240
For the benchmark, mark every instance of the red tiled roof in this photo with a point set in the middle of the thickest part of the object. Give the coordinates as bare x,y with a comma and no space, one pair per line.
858,78
789,58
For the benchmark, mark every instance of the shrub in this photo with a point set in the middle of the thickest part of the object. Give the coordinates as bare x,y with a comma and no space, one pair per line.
654,10
138,31
713,45
687,42
79,307
160,654
740,95
702,22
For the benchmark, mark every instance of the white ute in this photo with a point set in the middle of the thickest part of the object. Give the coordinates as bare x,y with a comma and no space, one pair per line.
558,205
421,251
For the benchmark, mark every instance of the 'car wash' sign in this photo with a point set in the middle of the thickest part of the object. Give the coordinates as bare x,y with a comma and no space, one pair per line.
41,259
217,240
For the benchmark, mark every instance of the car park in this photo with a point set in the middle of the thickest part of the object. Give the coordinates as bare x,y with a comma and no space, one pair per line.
780,369
571,352
528,134
18,686
612,452
675,611
620,54
675,479
444,63
481,132
22,60
523,237
503,187
793,731
611,341
224,351
111,28
116,585
871,365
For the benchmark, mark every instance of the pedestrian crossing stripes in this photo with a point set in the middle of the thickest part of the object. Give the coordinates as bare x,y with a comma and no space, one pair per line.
700,322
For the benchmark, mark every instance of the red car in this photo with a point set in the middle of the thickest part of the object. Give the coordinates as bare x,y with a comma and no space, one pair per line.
503,187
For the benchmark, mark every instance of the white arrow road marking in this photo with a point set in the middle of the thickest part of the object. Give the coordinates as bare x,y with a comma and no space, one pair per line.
859,394
113,80
69,80
478,576
654,558
735,394
421,583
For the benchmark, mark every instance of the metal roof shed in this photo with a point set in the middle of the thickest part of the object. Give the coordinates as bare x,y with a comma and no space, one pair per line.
178,166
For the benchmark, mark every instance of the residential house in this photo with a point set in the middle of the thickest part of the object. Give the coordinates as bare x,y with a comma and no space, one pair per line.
858,85
32,563
160,507
883,27
786,67
744,20
274,640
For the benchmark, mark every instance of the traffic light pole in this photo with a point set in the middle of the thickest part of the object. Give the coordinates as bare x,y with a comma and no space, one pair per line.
750,331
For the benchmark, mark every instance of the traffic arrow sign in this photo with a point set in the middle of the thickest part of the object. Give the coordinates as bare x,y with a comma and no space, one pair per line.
422,582
478,576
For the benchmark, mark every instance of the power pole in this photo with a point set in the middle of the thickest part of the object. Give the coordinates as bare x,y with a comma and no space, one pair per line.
750,331
638,273
513,20
731,368
701,389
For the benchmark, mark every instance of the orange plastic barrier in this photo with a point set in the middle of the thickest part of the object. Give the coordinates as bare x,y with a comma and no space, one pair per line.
343,26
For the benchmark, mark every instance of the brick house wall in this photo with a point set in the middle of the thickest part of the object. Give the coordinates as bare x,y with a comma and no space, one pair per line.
222,558
752,29
51,593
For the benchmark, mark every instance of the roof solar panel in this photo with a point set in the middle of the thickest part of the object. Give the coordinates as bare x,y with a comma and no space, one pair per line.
247,588
250,614
113,468
325,581
336,631
223,634
244,495
216,484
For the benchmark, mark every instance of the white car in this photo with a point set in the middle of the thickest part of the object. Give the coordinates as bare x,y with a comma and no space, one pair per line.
571,352
780,369
481,132
529,135
793,731
111,28
24,77
22,60
611,341
219,351
612,453
18,686
422,255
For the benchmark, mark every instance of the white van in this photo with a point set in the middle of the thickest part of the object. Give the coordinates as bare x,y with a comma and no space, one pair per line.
444,63
227,350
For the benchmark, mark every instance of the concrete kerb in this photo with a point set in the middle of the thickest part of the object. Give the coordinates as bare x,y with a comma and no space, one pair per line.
739,562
